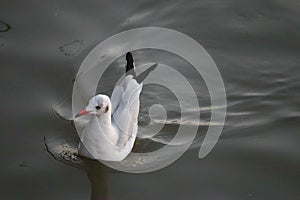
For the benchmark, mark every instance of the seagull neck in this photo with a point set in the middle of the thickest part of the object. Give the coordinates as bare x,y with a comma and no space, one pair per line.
105,119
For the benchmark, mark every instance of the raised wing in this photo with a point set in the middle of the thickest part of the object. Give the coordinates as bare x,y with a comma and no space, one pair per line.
126,112
116,98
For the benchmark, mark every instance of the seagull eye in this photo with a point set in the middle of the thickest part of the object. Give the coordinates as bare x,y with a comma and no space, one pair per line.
97,107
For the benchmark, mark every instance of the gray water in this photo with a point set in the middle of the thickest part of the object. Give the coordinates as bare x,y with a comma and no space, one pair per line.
256,46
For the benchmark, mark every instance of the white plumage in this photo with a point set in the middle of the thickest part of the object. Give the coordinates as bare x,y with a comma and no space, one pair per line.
111,132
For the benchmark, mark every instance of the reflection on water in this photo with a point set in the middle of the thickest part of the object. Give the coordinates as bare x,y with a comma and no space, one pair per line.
255,45
64,149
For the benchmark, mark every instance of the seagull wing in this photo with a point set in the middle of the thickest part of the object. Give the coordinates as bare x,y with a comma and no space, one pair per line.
125,116
116,97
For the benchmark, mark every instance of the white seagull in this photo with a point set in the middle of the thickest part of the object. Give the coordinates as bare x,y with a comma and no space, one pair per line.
111,132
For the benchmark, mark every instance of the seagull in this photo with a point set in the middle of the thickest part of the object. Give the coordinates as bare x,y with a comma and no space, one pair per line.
112,129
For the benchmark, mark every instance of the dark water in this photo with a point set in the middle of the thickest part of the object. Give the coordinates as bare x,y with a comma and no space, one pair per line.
256,46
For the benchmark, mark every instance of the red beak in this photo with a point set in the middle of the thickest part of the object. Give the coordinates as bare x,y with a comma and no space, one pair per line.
83,112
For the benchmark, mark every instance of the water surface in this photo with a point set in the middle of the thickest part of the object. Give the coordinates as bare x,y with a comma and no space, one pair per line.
255,45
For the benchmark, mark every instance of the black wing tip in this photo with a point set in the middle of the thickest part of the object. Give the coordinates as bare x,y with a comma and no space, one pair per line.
130,61
129,56
131,71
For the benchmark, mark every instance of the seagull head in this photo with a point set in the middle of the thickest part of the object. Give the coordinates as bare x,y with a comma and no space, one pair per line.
97,105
